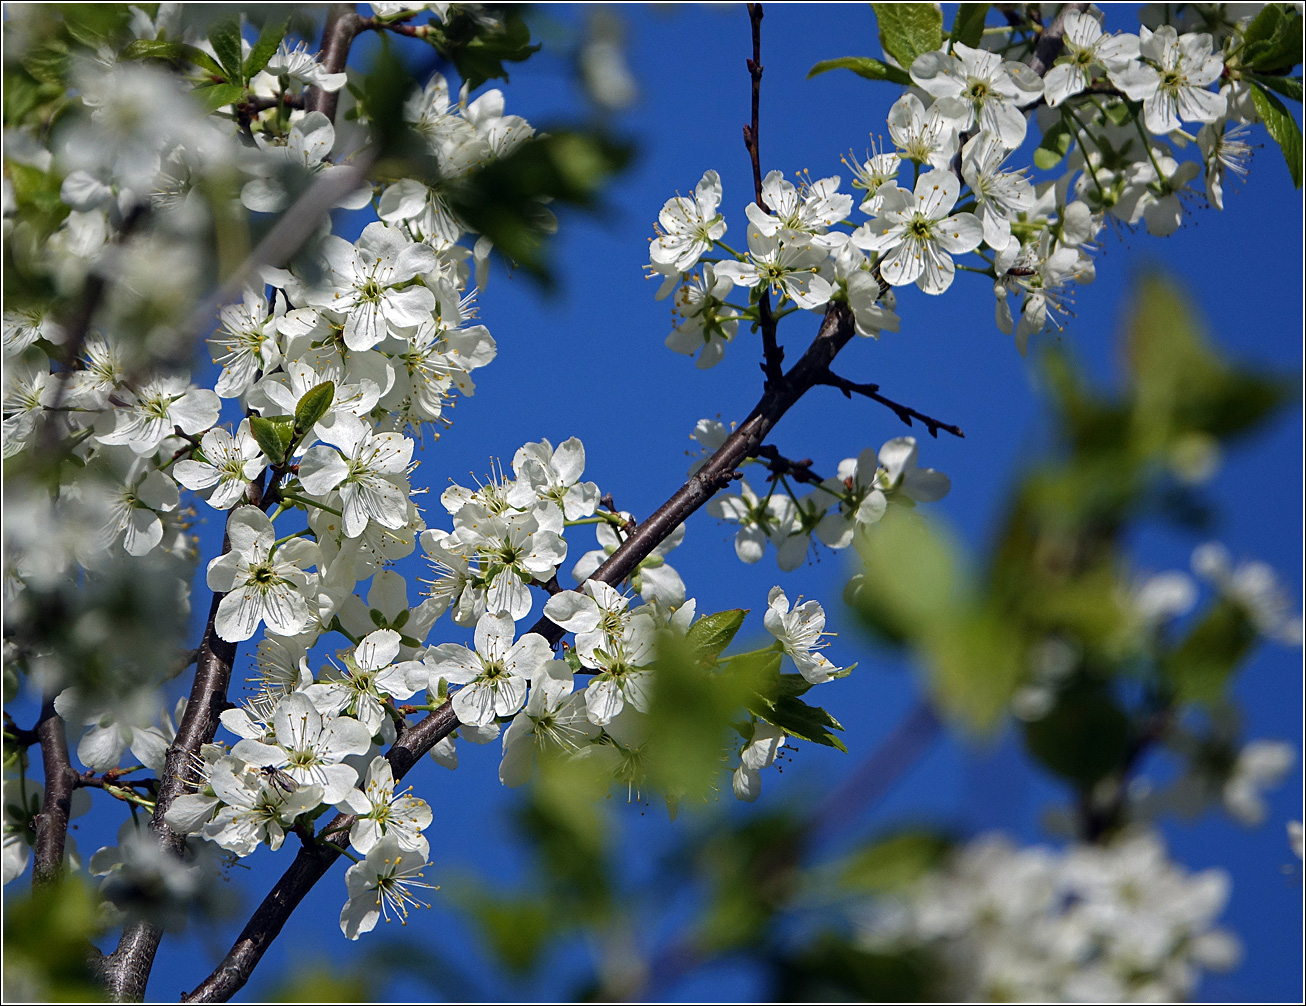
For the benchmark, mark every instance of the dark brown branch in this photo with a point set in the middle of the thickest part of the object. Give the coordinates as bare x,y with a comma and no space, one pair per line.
343,25
310,865
127,969
52,823
1051,40
772,354
780,466
904,412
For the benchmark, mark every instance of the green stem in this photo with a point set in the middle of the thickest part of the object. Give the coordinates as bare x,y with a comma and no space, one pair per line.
295,534
1081,133
728,250
1147,145
303,502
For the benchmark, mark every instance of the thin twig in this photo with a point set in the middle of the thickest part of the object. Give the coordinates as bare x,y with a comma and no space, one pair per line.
904,412
772,353
779,465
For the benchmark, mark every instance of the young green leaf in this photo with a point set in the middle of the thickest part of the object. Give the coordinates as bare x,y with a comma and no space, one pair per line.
1202,663
313,406
1289,87
863,66
968,26
1274,39
1055,145
265,48
224,36
214,96
712,633
268,436
909,29
1283,128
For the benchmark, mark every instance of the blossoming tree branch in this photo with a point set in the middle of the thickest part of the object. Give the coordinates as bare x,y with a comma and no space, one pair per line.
171,175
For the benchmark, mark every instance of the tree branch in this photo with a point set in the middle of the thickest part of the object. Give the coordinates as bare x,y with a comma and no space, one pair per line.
343,25
772,354
1051,40
904,412
310,865
778,396
52,823
779,465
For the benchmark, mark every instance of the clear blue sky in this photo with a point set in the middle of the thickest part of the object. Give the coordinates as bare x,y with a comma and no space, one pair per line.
590,362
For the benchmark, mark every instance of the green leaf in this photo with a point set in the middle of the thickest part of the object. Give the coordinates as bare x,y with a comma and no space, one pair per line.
691,711
968,26
1200,666
313,406
154,48
1289,87
203,60
975,663
95,24
478,50
224,36
272,437
797,718
911,584
214,96
893,863
863,66
47,62
506,201
266,46
378,619
1084,738
1273,40
712,633
909,29
1054,146
516,930
1283,128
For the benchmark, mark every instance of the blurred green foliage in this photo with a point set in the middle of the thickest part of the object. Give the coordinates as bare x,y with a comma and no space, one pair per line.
1058,570
47,944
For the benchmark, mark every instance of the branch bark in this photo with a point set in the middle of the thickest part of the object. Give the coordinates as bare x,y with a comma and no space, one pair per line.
343,25
52,824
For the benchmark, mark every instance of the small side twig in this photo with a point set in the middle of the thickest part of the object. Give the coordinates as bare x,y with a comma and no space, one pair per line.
904,412
779,465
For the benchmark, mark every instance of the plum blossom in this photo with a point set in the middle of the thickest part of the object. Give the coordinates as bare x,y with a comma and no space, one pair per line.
367,283
226,466
915,236
494,674
1173,84
380,886
367,468
799,633
262,582
1086,47
980,87
687,227
310,748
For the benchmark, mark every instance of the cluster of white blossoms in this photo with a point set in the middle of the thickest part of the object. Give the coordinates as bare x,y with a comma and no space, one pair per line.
955,131
835,512
1118,922
326,374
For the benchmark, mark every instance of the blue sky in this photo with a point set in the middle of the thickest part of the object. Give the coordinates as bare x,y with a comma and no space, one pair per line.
590,362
